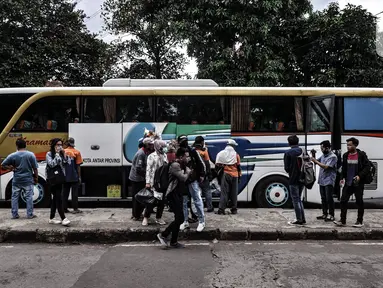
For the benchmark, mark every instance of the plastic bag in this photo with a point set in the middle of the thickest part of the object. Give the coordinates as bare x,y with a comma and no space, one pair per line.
145,196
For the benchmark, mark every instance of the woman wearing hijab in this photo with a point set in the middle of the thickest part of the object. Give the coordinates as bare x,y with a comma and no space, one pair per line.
155,160
229,160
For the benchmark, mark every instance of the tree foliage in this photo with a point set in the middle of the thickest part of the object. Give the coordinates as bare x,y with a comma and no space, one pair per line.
280,43
338,49
150,43
42,39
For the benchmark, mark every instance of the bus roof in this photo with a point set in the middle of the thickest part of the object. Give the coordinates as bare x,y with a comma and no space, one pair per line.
126,82
233,91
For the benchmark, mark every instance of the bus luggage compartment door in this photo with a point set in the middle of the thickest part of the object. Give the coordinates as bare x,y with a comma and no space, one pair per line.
99,143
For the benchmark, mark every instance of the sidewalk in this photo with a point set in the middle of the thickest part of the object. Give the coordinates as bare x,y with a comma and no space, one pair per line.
108,225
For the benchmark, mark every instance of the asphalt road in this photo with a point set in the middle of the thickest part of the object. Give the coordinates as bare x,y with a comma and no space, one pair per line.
226,264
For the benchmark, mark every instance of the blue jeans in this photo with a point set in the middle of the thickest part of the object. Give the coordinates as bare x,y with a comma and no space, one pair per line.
195,192
28,191
296,196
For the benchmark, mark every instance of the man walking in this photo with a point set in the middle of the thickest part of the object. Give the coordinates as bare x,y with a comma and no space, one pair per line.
229,160
198,167
293,164
72,175
24,166
137,174
355,167
327,176
179,174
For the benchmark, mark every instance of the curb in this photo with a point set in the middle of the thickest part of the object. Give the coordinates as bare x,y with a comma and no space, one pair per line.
113,236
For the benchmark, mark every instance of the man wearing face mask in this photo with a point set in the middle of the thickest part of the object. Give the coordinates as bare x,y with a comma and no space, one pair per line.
137,174
327,176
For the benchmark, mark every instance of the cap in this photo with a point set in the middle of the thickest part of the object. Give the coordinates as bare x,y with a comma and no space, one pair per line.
182,138
71,142
232,142
147,140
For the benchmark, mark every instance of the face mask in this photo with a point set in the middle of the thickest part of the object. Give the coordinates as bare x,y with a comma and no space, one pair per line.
165,150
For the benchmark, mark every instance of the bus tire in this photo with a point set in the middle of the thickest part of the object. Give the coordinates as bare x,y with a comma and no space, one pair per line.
41,195
273,192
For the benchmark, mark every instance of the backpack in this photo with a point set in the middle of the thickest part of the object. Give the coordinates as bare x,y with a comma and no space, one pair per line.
371,174
161,178
307,173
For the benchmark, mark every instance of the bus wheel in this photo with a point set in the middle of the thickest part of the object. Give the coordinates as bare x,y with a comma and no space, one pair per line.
41,197
273,192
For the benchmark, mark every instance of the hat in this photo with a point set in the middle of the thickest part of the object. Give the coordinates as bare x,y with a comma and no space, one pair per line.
71,142
232,142
147,140
182,138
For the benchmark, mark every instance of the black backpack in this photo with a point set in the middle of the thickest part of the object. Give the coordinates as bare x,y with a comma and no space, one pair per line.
307,175
161,178
371,174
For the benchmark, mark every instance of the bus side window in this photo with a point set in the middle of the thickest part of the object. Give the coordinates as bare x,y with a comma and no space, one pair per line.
267,114
356,110
134,109
49,114
192,110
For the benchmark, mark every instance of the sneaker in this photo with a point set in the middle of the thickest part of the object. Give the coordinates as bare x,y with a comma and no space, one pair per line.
162,239
295,223
54,221
65,222
358,225
145,222
67,211
32,217
220,212
329,219
193,220
76,211
16,217
160,221
210,210
234,212
177,245
322,217
184,226
339,223
200,227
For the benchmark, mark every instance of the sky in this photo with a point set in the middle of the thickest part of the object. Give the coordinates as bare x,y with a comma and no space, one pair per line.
92,9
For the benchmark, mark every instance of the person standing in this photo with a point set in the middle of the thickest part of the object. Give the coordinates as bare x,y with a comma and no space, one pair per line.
327,175
24,166
137,175
229,160
199,144
355,167
56,157
155,160
198,167
179,173
293,164
73,176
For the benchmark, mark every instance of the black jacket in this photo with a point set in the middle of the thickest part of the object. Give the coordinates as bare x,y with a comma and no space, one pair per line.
196,164
363,165
291,165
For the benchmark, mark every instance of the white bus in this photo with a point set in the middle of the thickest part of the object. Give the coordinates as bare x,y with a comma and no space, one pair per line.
108,122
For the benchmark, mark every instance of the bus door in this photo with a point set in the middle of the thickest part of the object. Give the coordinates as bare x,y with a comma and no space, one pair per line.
319,127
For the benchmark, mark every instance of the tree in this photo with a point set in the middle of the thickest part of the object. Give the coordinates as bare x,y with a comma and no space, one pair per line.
48,38
149,47
243,43
338,48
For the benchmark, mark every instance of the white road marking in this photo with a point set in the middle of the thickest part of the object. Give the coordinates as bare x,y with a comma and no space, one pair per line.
157,244
6,247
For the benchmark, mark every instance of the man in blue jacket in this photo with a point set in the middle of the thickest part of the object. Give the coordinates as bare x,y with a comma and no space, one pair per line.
293,164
